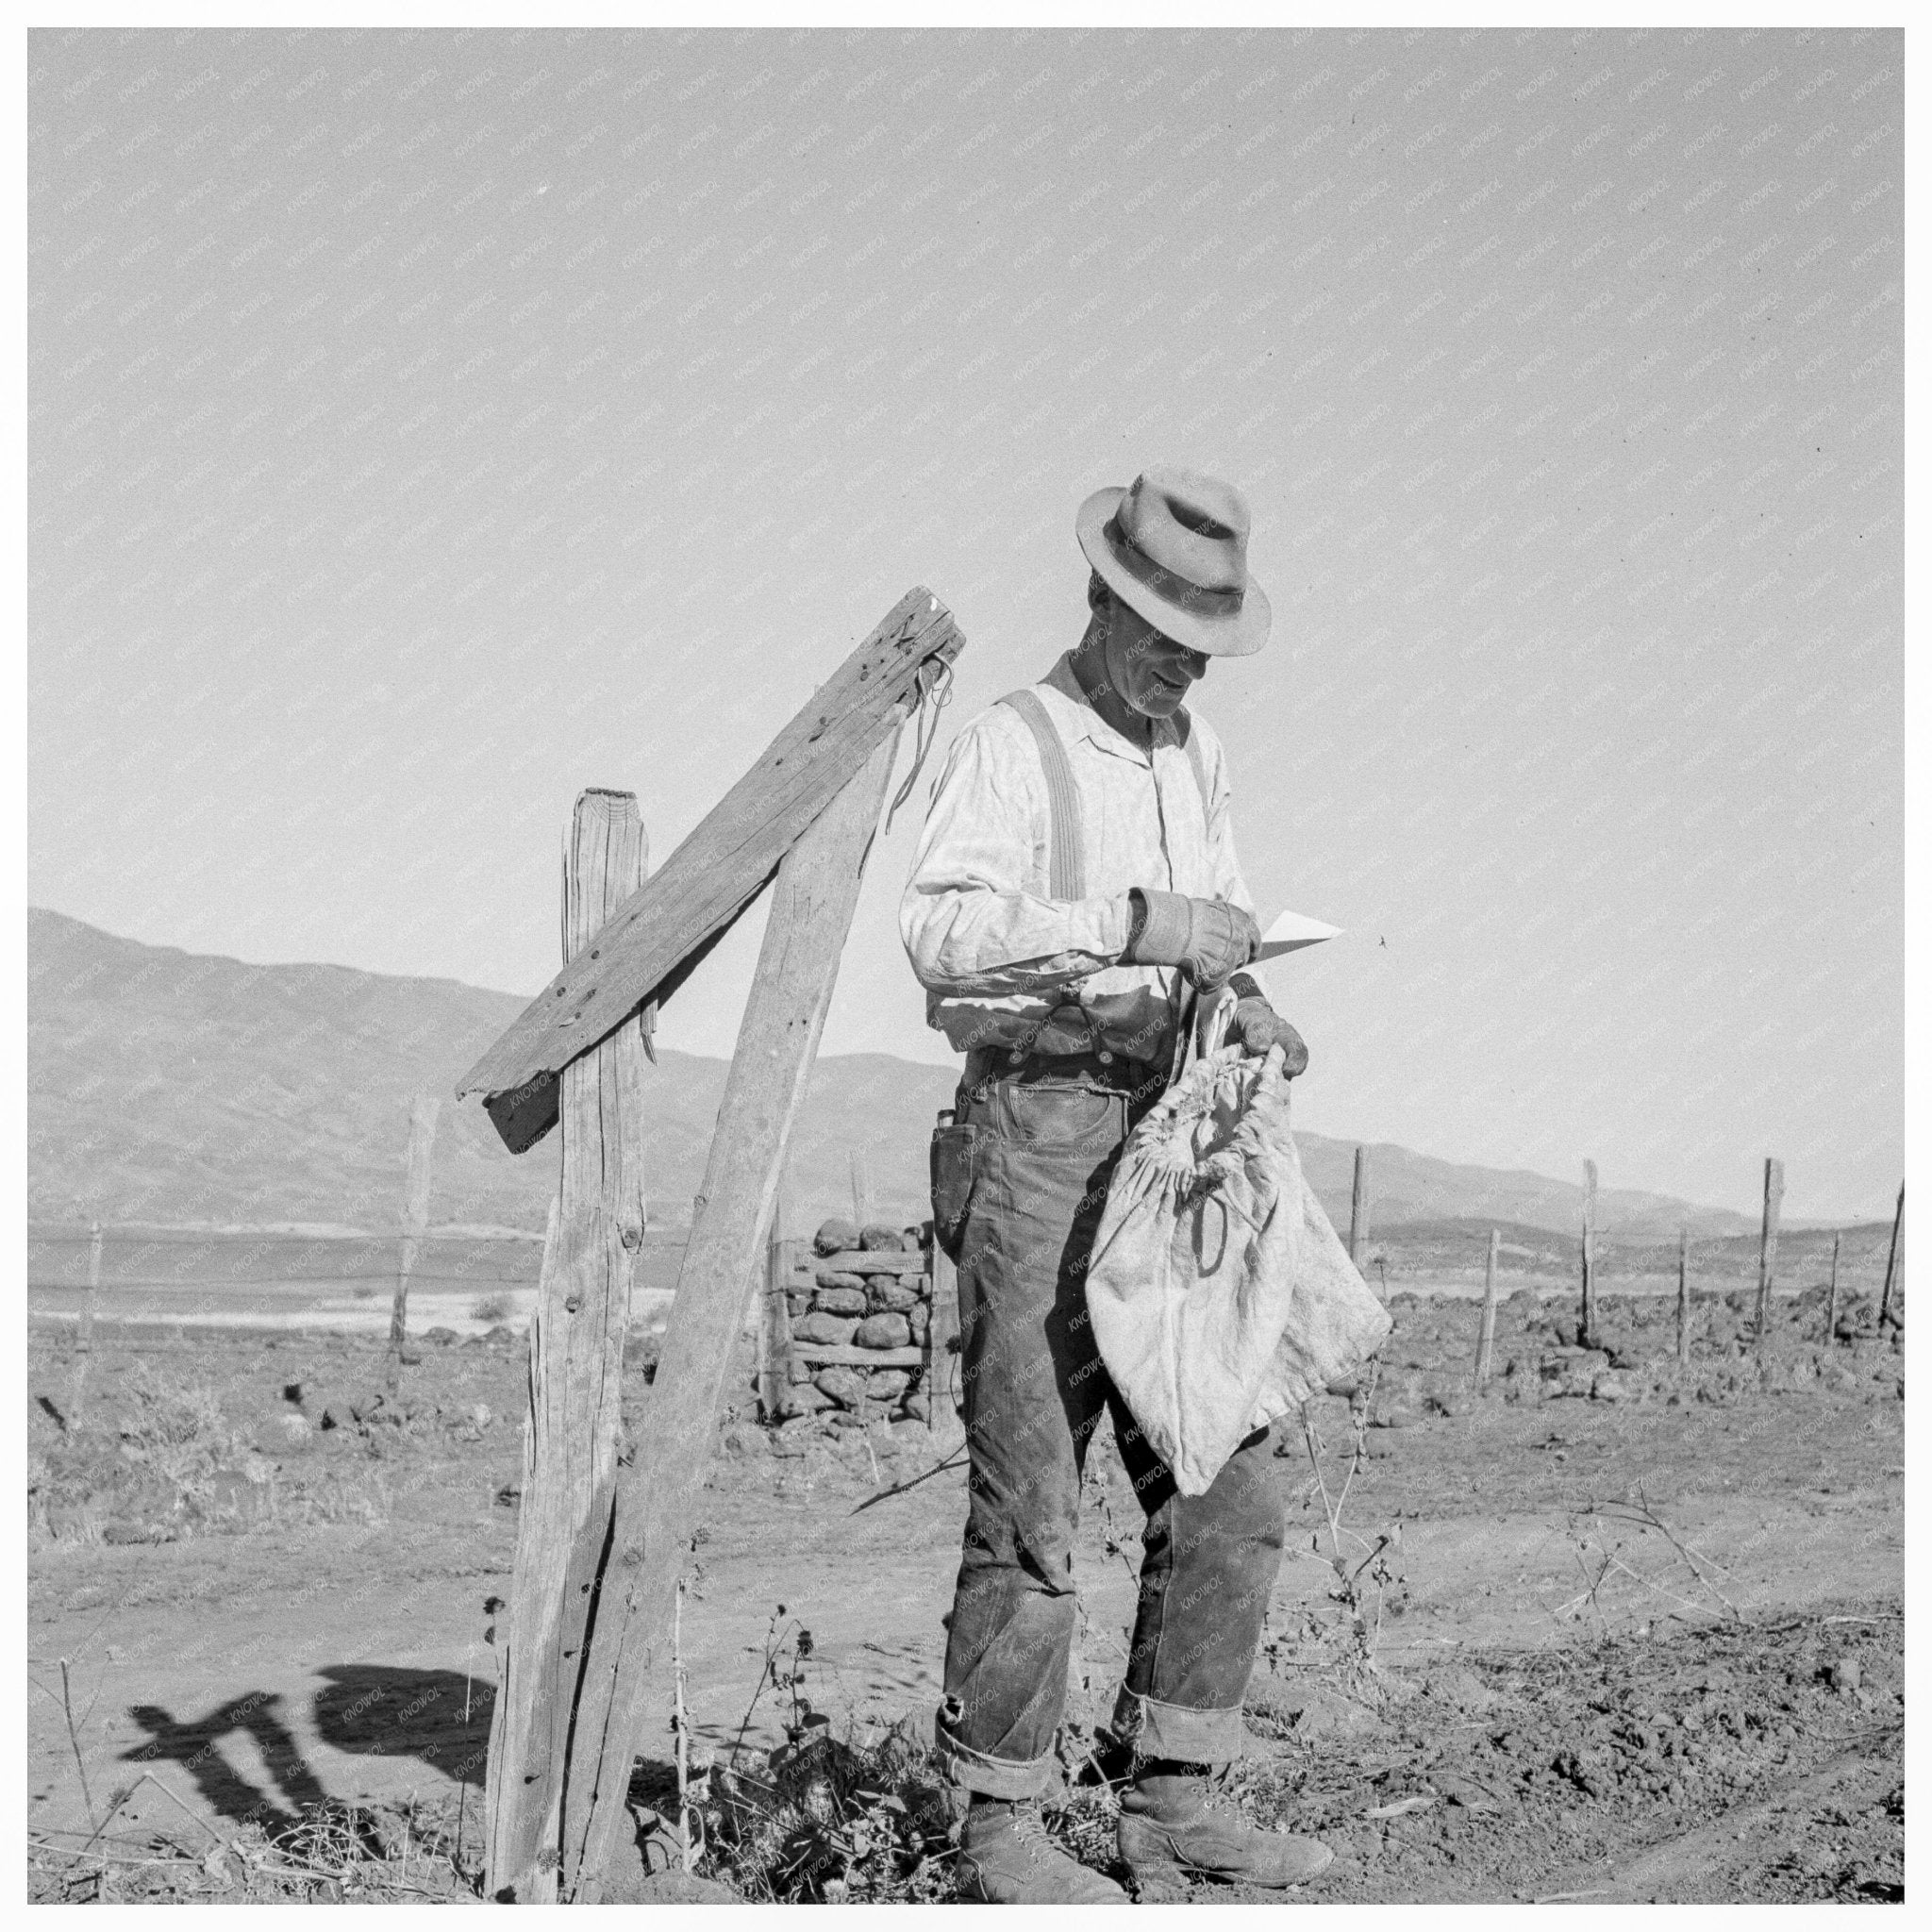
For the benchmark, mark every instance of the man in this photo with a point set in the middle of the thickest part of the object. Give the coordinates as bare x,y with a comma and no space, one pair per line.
1075,893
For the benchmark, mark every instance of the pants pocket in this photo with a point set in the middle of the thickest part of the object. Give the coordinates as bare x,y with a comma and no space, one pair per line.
1049,1115
952,1183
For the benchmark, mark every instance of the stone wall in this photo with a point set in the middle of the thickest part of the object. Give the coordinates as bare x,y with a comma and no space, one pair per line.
859,1304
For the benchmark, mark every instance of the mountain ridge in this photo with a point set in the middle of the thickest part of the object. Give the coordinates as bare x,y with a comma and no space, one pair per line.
173,1087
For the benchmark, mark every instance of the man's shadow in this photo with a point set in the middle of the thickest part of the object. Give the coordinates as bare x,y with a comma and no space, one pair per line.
196,1746
439,1718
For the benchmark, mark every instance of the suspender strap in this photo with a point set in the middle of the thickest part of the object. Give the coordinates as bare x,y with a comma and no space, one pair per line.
1191,741
1067,864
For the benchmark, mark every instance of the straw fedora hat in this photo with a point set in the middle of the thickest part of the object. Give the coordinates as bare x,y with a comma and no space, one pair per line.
1173,546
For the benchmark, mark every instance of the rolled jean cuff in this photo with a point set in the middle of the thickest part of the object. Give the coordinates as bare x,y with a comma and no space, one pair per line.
991,1777
1172,1730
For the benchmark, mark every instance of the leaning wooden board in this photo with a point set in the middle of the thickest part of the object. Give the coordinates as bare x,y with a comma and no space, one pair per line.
653,940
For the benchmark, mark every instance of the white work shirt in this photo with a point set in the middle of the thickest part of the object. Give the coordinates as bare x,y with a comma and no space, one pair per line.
995,954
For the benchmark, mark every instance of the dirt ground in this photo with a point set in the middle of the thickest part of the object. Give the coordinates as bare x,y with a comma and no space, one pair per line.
1618,1628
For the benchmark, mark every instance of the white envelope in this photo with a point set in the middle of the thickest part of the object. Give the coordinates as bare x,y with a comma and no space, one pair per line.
1292,931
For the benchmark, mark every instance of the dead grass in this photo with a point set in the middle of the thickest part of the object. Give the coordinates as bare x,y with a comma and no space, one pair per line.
332,1854
165,1463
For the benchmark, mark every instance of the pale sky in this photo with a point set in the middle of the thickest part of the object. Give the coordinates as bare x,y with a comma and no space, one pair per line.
426,425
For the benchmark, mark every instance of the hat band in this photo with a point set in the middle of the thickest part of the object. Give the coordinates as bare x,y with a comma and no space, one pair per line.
1164,583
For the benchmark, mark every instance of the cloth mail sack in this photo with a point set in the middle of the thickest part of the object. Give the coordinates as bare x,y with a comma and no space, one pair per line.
1221,1296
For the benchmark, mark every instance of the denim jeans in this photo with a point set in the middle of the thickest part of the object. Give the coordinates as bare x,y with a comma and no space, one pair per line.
1042,1153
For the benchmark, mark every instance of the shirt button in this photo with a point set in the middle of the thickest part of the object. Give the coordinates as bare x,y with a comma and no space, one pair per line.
1015,1057
1105,1057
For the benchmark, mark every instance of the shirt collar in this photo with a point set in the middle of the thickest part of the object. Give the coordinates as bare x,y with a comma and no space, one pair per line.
1063,680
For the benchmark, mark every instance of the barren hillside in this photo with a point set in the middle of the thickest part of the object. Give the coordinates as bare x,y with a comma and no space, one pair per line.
173,1087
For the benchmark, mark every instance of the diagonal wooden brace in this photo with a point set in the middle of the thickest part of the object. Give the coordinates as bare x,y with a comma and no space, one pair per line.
652,941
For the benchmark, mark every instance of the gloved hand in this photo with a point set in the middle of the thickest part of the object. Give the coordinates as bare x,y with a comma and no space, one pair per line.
1254,1026
1208,939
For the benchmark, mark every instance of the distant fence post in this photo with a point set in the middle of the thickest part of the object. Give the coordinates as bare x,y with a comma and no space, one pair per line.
1894,1260
84,1337
415,1219
1684,1295
1587,1333
1831,1296
1767,1241
1486,1335
862,1212
774,1324
1358,1208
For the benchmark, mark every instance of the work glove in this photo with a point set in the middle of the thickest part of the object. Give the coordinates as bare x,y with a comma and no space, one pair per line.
1207,939
1254,1026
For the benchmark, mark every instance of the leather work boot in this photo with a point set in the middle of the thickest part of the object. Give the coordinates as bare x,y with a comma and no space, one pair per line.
1006,1858
1179,1821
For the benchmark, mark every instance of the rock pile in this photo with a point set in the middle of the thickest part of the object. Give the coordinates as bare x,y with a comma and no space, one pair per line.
858,1308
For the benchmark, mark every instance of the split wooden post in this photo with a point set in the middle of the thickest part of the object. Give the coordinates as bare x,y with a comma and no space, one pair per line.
1684,1295
498,1634
576,1359
1358,1208
419,1169
1486,1335
942,1325
657,1499
1894,1259
1831,1296
84,1335
1767,1242
1587,1335
775,1311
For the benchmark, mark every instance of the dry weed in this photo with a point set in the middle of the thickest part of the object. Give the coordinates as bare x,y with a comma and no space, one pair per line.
827,1818
1368,1568
332,1852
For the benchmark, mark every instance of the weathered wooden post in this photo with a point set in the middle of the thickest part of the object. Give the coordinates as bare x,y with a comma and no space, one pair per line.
801,819
774,1312
1486,1335
1831,1296
84,1335
1587,1330
1894,1262
419,1171
1358,1208
576,1355
1767,1242
658,1504
1684,1295
942,1325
